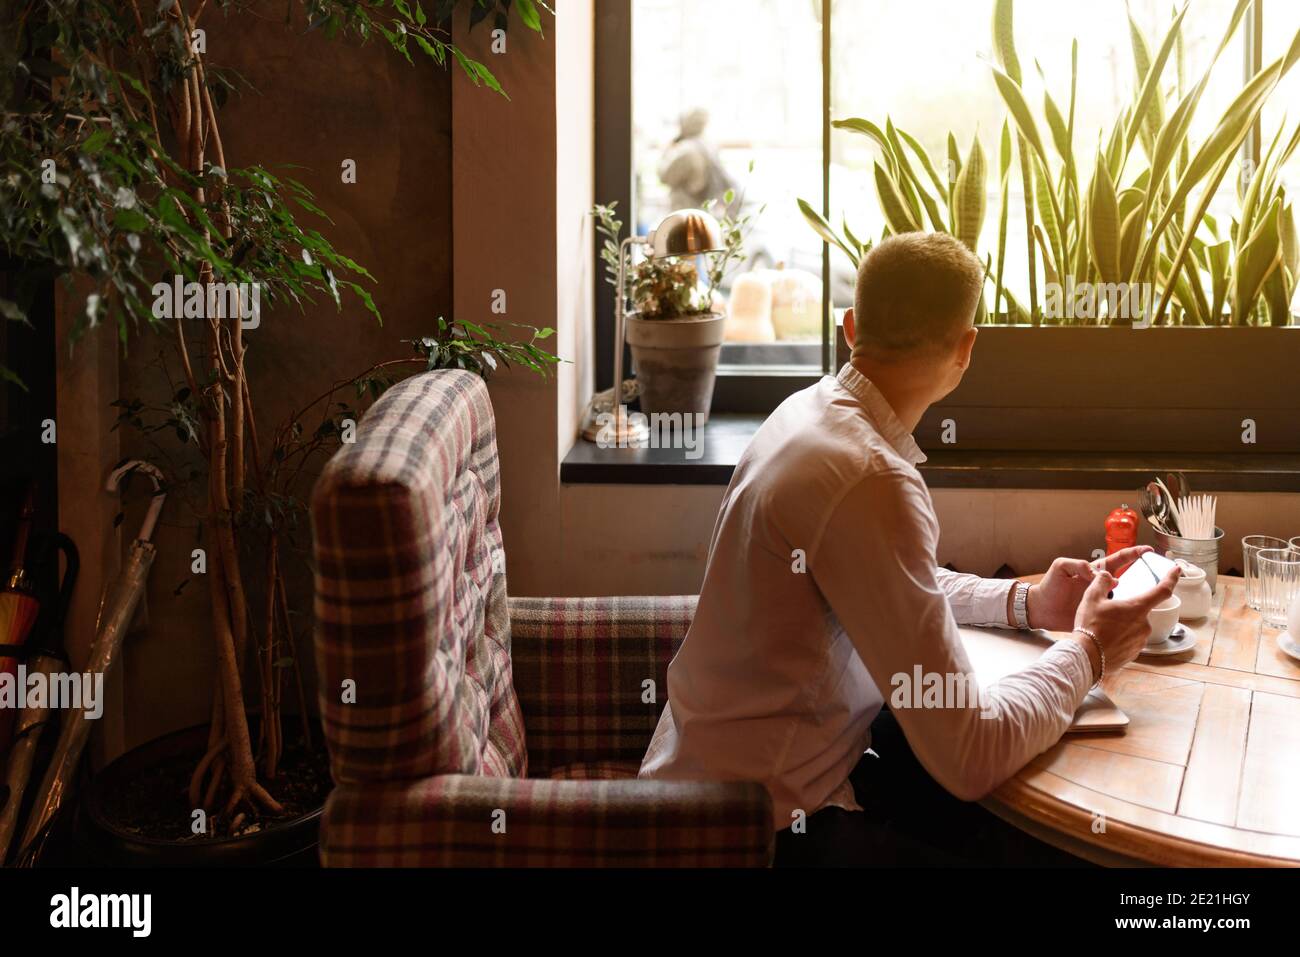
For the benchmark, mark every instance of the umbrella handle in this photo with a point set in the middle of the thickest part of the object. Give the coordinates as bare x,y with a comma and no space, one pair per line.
159,495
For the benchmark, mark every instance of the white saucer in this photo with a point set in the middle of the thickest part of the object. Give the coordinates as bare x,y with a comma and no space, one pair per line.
1289,646
1179,640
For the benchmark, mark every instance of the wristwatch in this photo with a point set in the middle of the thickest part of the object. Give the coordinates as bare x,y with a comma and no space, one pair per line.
1020,606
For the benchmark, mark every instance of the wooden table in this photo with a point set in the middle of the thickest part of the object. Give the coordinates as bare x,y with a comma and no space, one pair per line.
1207,772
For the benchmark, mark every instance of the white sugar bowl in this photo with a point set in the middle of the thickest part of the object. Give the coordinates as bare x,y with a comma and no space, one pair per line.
1193,589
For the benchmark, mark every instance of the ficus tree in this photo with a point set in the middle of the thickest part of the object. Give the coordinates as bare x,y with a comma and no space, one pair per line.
114,175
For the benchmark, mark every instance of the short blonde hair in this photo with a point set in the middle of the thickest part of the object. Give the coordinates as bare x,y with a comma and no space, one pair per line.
917,294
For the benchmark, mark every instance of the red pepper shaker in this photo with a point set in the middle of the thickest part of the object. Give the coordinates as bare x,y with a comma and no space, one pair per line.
1121,532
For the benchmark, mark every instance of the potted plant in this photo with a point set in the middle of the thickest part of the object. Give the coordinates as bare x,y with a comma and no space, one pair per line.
122,103
1139,301
675,332
677,322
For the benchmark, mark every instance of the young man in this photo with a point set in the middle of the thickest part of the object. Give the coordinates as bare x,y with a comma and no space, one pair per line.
822,585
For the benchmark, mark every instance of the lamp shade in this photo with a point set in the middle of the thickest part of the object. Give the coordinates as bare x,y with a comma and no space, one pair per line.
687,232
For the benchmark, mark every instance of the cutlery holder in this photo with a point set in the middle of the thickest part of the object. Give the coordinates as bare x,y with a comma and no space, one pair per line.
1203,553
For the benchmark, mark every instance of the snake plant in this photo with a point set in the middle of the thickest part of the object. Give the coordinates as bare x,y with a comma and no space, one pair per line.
1142,220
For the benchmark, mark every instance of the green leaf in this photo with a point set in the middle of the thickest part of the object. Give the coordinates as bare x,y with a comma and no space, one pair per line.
1048,269
892,205
1104,223
871,131
826,232
1004,38
916,187
970,198
130,220
366,299
902,173
1227,136
489,80
852,239
1147,111
1277,297
527,10
1130,238
1259,258
1290,240
1219,258
1061,137
1005,164
1173,139
437,54
1177,288
943,189
1054,247
1020,112
96,141
8,375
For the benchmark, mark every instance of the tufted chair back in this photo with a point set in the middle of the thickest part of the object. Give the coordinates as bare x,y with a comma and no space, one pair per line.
413,630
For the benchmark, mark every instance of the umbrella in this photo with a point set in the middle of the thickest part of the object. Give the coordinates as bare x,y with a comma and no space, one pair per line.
114,621
18,610
45,657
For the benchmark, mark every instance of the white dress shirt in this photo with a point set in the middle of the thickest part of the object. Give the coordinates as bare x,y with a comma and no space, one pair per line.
822,588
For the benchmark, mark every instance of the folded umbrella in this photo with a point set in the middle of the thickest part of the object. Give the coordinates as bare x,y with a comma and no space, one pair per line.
115,619
45,657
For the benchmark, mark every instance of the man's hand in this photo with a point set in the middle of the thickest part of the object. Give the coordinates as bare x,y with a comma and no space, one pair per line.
1121,627
1054,602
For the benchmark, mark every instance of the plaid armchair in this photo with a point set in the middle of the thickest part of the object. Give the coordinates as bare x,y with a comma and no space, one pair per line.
469,729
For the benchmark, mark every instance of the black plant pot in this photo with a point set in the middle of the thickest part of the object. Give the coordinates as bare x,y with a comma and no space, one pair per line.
287,843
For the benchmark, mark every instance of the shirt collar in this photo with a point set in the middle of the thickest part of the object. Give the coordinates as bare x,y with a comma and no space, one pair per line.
881,414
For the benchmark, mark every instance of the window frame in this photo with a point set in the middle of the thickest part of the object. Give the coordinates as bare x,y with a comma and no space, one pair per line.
736,389
760,391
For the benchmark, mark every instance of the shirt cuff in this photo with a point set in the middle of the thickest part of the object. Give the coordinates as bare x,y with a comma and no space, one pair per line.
989,602
1074,661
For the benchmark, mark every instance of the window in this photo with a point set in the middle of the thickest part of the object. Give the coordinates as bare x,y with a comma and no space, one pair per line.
1282,112
727,101
875,77
741,93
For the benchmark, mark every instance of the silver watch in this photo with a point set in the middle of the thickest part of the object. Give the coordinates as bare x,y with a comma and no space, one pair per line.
1020,606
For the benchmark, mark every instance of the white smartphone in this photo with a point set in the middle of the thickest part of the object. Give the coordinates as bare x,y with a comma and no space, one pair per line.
1142,576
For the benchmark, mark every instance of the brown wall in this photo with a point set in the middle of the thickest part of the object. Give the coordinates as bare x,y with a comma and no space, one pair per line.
317,102
516,193
622,540
522,175
504,213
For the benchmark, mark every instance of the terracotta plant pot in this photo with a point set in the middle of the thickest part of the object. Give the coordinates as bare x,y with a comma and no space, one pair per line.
676,361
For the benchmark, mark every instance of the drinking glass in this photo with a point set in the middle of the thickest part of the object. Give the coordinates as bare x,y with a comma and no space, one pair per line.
1295,544
1279,580
1251,546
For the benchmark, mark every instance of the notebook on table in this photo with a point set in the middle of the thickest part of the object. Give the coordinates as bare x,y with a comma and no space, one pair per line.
995,653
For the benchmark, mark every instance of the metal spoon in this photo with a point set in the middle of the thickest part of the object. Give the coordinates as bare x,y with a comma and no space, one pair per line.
1146,505
1176,482
1155,502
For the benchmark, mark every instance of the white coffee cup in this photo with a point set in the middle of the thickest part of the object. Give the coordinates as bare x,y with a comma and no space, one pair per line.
1163,620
